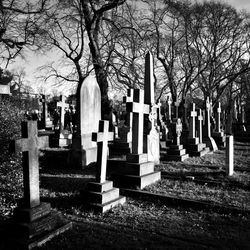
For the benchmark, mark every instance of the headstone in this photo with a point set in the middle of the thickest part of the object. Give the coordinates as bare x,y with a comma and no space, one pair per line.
84,150
62,104
176,152
100,194
218,118
153,138
33,221
138,108
229,155
192,122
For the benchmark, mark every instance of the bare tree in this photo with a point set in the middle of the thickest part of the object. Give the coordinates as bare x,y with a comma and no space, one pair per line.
18,22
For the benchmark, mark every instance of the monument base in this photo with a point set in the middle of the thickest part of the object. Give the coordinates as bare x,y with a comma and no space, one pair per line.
176,153
65,139
119,148
220,139
137,173
33,227
210,142
194,148
102,196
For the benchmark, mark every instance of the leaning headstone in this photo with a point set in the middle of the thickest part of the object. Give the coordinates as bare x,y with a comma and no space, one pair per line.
194,146
138,172
65,137
229,155
100,194
84,150
33,221
210,142
176,152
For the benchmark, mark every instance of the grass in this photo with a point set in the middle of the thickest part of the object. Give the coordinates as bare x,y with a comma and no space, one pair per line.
141,224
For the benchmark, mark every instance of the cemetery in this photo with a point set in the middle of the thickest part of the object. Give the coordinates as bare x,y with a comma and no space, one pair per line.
156,168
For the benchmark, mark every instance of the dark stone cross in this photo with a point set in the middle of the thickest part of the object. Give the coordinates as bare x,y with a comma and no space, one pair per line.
62,104
44,112
29,145
138,108
102,137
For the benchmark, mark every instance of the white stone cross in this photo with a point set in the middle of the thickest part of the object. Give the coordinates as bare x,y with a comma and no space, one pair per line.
218,117
62,104
169,108
29,145
138,108
207,123
44,113
102,137
178,128
192,122
199,129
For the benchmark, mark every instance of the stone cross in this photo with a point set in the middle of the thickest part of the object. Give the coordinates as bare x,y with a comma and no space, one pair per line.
199,129
178,128
207,122
62,104
169,101
29,145
138,108
218,117
192,122
102,137
176,109
44,113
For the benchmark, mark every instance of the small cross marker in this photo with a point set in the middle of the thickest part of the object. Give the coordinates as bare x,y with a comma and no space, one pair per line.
102,137
62,104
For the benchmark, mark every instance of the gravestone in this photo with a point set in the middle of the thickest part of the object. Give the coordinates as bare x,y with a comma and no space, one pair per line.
33,221
169,104
208,140
153,138
84,150
194,146
65,137
199,127
176,152
138,171
100,194
229,155
218,135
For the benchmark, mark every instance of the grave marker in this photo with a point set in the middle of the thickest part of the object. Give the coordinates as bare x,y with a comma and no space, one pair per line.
102,137
169,102
43,100
138,108
199,130
176,109
192,122
230,155
218,118
62,104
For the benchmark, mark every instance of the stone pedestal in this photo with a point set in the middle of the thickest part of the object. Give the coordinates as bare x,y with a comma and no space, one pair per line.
138,172
31,227
102,196
220,139
194,148
119,148
176,153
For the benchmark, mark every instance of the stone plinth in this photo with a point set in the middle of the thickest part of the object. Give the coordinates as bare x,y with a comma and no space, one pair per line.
194,148
176,153
102,196
138,172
